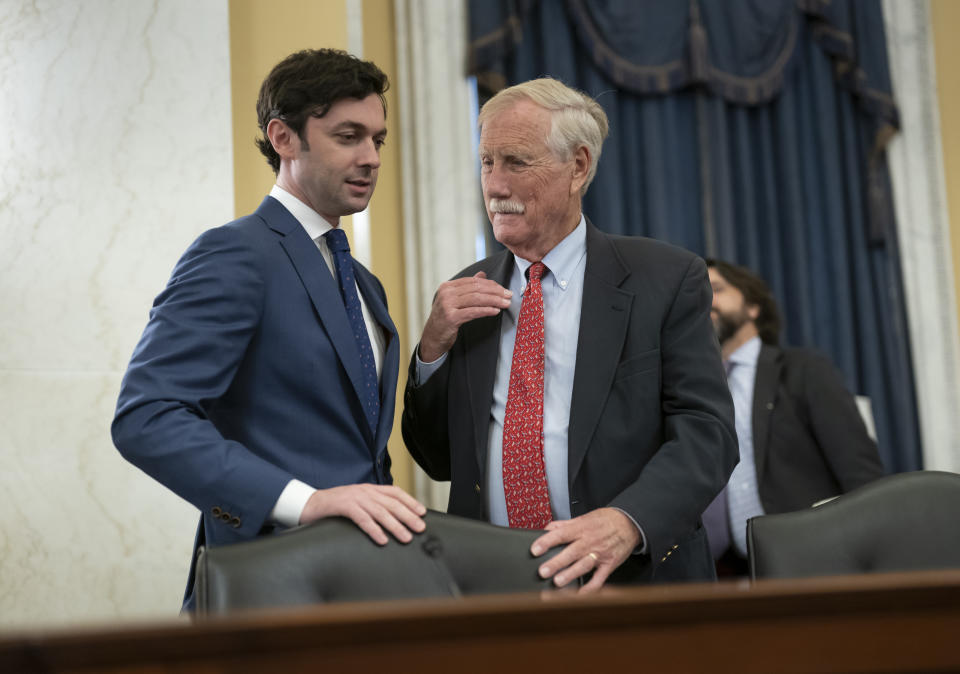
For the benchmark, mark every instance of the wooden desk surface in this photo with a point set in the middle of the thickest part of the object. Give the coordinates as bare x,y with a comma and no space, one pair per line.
871,623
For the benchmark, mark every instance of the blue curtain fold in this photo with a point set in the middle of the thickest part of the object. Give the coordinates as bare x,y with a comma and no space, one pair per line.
753,131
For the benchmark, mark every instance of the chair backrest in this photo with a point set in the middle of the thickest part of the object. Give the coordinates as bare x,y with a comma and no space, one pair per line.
902,522
333,560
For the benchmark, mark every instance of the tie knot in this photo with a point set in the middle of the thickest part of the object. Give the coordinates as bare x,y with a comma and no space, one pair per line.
337,241
536,271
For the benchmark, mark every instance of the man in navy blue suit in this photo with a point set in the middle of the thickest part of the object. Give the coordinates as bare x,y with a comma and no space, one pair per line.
263,387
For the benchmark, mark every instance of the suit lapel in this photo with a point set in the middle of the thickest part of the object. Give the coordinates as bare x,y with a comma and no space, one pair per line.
604,319
481,343
764,400
321,287
391,355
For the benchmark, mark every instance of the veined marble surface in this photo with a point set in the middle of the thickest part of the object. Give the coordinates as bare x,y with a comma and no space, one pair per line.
116,153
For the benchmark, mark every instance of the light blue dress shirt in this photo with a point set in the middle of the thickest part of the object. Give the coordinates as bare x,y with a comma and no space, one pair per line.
562,296
743,494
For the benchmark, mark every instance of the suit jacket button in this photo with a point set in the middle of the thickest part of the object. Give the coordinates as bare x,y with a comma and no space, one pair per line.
235,522
663,559
476,487
769,406
225,516
216,511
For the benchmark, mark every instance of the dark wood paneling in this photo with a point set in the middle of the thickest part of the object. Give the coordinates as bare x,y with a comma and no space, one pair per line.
880,623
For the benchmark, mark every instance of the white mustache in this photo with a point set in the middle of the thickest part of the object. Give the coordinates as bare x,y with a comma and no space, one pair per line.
504,206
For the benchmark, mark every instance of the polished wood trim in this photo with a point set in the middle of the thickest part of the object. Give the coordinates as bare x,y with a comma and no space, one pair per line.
877,623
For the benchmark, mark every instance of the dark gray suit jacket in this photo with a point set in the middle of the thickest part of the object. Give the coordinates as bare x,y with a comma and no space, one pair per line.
651,420
809,440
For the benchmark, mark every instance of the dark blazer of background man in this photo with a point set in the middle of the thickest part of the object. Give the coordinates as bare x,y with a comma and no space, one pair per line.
244,393
809,440
650,437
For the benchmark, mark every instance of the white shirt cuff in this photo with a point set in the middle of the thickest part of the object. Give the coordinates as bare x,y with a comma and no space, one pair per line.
291,503
423,371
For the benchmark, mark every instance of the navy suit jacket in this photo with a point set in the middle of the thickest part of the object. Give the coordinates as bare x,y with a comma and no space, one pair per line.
247,376
651,419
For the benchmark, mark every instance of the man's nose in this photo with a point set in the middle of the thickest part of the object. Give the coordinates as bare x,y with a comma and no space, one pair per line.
370,155
495,183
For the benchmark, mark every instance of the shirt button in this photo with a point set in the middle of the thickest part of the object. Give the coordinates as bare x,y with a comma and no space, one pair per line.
563,284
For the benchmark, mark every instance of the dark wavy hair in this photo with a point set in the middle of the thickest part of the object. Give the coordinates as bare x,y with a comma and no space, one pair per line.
306,84
755,291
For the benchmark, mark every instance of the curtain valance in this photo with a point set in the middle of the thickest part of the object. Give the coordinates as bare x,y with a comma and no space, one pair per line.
738,50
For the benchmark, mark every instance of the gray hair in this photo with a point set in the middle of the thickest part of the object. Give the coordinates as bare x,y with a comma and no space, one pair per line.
575,118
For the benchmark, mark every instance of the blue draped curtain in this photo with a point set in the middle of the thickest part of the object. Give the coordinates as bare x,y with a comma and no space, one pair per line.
749,130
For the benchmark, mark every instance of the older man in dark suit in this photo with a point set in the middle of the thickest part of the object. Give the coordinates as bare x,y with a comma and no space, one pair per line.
573,382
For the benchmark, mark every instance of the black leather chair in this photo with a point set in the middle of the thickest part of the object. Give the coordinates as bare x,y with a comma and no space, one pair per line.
903,522
333,560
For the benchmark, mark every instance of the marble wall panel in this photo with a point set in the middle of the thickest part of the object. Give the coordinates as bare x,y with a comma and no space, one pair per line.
116,154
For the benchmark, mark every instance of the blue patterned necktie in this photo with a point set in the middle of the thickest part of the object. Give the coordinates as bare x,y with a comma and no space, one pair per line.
343,261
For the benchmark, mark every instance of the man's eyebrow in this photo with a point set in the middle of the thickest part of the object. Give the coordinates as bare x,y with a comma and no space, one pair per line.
505,151
357,126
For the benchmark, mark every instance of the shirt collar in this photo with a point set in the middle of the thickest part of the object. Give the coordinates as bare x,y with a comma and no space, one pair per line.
747,353
562,258
314,223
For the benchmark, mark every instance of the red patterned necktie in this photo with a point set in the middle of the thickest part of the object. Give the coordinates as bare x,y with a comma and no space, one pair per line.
524,476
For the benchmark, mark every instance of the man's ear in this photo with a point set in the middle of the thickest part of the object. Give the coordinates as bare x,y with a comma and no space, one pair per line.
581,166
283,139
753,311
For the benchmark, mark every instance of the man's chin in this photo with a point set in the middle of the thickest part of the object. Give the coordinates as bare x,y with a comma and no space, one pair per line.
520,246
356,205
507,227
